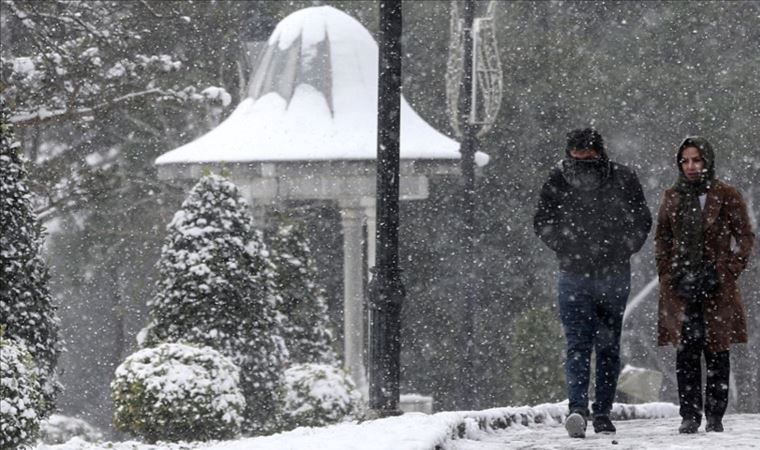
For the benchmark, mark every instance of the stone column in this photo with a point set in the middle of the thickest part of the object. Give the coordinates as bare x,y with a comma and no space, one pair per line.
352,215
370,213
371,222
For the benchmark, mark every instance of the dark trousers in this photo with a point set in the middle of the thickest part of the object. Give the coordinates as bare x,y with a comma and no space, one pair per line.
591,311
689,370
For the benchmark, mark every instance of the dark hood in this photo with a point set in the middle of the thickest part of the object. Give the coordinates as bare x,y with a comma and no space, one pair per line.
585,174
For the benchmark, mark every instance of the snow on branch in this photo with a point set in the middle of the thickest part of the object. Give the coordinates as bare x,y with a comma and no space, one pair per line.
43,115
87,59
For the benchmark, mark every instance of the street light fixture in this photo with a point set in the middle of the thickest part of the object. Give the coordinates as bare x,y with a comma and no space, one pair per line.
473,88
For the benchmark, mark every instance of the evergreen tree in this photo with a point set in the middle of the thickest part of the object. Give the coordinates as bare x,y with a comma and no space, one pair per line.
26,308
304,307
216,290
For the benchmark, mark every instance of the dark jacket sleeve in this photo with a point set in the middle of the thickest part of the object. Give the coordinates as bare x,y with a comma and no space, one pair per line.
640,216
547,220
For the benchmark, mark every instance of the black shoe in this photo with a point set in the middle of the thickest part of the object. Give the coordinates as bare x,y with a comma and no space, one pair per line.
688,426
575,424
603,424
714,424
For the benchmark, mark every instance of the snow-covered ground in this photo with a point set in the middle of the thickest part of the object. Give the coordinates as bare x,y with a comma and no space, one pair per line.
742,432
651,426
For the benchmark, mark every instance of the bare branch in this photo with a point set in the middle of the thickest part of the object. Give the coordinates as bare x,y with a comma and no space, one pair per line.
44,116
151,10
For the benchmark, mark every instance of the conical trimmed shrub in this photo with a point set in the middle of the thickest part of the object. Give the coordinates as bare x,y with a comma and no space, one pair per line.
216,290
26,307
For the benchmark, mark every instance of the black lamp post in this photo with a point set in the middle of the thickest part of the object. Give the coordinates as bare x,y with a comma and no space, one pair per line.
386,293
468,147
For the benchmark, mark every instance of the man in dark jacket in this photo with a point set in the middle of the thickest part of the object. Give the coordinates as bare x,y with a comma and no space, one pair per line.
592,213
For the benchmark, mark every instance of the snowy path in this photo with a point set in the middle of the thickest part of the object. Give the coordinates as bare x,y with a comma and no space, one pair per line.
742,432
523,427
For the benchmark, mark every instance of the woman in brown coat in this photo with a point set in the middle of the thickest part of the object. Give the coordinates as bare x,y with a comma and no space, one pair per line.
700,307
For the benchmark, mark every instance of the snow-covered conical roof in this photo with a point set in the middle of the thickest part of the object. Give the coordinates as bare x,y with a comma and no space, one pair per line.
313,96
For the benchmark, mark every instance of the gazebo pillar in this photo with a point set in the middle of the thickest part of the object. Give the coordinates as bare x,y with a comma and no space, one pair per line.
352,215
370,213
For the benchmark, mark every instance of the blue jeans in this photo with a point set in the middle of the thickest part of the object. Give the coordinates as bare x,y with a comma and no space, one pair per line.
591,311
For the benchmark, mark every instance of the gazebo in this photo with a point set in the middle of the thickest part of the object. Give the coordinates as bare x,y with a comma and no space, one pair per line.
307,130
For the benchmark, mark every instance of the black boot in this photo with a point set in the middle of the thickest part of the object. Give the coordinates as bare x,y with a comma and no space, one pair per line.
689,369
603,424
689,426
716,392
714,424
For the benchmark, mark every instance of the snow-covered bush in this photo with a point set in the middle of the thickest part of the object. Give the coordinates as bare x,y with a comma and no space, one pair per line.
178,392
58,429
20,395
304,307
26,308
216,290
318,395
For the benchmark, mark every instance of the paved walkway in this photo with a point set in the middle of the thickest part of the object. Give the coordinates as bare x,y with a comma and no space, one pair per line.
742,432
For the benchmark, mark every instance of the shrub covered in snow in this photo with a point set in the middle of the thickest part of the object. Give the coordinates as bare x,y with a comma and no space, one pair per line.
26,308
318,395
304,307
216,290
58,429
178,392
20,395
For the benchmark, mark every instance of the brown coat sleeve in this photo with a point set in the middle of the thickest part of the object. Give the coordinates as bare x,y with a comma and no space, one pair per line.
663,238
741,230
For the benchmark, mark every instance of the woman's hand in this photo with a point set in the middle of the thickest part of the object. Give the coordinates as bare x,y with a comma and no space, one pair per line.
687,286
